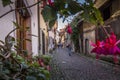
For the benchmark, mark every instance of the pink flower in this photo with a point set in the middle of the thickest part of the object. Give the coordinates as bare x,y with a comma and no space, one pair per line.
41,63
108,47
98,48
111,45
69,29
51,2
48,67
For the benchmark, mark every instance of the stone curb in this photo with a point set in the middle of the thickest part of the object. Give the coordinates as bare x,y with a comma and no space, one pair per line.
102,61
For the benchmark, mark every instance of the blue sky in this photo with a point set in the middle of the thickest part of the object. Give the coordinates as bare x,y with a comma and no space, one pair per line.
60,21
62,24
81,1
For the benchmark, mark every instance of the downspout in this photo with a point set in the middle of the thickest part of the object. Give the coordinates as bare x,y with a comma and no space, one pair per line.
39,45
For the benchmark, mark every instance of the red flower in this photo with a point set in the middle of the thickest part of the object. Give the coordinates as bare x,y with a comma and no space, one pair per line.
41,63
111,45
98,48
51,2
69,29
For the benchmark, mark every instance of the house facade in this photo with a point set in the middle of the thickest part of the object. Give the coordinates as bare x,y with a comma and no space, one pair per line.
27,18
110,10
52,37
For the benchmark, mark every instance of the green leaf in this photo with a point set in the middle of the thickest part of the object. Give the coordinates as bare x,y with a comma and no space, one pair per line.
46,73
98,16
74,7
31,78
49,14
6,71
12,39
24,66
25,52
28,40
59,4
92,15
19,58
51,23
16,24
90,2
6,2
39,76
64,12
35,64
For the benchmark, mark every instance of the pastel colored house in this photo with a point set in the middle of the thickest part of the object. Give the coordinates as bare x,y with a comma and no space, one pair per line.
30,17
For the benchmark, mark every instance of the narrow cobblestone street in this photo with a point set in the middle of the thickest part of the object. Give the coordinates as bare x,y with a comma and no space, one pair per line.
77,67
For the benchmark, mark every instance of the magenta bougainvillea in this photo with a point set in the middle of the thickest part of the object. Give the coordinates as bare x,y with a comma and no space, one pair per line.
98,48
51,2
69,29
44,3
107,47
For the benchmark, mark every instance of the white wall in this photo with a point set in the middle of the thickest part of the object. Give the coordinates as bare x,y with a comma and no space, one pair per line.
34,27
51,34
6,24
51,40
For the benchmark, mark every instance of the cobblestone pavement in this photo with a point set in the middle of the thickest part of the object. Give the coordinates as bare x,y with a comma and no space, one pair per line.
76,67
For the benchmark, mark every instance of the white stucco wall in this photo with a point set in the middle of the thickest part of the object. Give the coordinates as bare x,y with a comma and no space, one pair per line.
57,37
90,36
6,22
34,27
51,40
51,34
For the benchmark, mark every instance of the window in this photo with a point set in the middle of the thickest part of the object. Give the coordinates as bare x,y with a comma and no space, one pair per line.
106,13
106,10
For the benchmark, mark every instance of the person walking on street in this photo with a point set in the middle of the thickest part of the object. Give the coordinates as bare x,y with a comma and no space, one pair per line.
69,49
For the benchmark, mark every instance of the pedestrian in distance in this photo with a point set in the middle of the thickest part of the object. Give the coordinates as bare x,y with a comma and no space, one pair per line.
69,49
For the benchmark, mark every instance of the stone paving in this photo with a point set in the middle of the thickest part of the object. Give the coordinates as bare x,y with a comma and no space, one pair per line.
77,67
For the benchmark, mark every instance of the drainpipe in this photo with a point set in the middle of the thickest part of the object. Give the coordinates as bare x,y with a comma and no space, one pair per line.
39,44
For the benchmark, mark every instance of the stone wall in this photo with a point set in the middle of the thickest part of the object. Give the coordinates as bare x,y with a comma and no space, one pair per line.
88,37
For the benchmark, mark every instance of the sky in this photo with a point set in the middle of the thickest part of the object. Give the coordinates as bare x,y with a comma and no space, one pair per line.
62,24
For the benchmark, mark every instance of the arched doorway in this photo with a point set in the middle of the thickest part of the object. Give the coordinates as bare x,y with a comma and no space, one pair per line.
86,46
